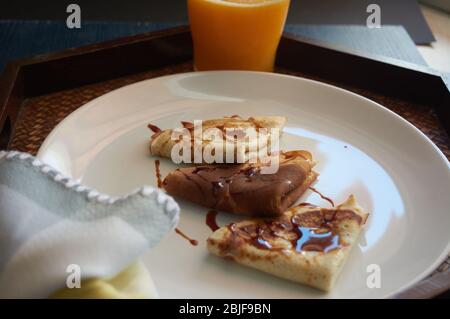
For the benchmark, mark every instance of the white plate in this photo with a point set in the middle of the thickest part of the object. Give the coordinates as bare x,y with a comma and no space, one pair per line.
397,173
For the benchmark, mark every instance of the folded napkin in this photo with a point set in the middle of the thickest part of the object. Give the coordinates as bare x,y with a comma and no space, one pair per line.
49,222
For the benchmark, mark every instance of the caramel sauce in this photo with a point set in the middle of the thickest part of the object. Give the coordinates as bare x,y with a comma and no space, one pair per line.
193,242
158,174
154,128
322,196
211,220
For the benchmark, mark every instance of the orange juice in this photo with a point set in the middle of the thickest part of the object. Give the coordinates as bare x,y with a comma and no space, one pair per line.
236,34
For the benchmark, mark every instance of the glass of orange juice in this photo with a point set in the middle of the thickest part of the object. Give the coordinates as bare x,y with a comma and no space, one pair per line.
236,34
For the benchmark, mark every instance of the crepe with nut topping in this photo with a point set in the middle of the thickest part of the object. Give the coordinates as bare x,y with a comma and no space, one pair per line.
306,244
162,141
244,188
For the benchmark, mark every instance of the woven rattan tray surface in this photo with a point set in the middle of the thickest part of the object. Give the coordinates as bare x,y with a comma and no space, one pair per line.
34,111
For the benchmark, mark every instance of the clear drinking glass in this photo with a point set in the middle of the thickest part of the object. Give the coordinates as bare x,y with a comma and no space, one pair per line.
236,34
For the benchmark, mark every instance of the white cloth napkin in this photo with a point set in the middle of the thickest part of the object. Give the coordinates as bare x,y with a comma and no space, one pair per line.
49,221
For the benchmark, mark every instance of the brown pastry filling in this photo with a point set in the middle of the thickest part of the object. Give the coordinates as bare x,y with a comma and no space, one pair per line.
242,188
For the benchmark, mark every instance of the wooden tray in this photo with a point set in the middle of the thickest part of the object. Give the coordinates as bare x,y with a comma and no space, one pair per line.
36,94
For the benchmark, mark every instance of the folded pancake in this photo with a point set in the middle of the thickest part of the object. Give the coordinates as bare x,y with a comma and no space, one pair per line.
244,188
306,244
161,142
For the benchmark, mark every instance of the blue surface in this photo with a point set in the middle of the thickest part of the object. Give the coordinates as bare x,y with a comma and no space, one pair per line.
19,39
391,41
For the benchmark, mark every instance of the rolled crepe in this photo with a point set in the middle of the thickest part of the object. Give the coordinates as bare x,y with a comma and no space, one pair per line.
244,189
161,142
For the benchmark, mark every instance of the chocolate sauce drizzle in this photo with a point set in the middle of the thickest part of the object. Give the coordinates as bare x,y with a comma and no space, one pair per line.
322,196
158,174
211,220
188,125
313,230
314,239
193,242
230,132
154,128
